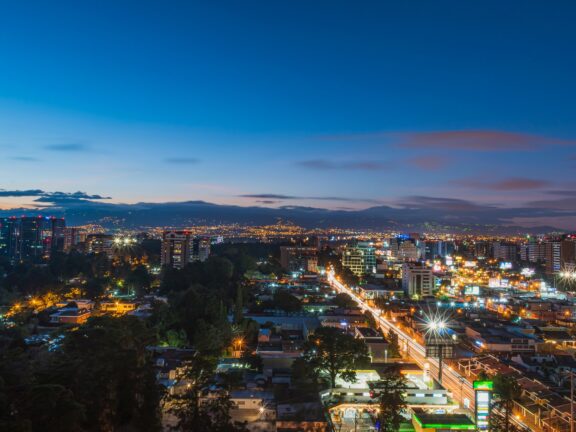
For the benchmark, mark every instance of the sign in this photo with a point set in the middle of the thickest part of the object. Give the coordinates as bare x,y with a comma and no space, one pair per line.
483,391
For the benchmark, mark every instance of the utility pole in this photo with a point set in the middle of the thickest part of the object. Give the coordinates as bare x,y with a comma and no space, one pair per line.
571,400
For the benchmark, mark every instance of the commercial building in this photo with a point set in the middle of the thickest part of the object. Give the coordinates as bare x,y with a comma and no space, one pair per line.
417,280
180,248
360,258
31,238
100,244
73,237
299,258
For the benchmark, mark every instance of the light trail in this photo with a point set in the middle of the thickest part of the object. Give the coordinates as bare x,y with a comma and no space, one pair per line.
459,385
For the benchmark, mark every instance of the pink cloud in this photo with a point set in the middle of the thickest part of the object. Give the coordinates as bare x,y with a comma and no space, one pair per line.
472,140
510,184
429,162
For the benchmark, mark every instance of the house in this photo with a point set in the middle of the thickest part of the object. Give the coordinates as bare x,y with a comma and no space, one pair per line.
70,315
118,307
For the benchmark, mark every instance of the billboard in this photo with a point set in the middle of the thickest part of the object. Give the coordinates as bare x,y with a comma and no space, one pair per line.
483,391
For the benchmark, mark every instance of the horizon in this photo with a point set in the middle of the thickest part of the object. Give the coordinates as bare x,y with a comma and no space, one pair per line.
326,105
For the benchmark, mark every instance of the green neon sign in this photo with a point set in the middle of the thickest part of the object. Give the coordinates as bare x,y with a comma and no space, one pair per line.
483,385
444,426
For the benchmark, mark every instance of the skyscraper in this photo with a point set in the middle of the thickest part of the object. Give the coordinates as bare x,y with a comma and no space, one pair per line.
9,237
180,248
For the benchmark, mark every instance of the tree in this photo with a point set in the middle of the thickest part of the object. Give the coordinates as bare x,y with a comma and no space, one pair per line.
344,301
393,345
286,301
108,370
239,305
330,352
198,413
506,392
391,390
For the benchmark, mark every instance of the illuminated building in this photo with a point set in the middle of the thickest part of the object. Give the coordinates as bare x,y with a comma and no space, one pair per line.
181,247
73,237
100,244
200,249
417,280
8,237
360,259
299,258
31,238
504,251
553,263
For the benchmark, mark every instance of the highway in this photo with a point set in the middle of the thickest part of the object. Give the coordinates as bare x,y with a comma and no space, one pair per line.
458,385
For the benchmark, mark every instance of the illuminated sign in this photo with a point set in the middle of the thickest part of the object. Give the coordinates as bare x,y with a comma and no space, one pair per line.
483,391
505,265
472,290
483,385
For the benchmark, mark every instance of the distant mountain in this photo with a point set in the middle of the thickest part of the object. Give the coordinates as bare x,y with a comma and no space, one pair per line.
182,214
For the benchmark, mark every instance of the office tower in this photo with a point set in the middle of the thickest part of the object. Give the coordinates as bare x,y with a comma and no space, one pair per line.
553,263
73,237
504,251
9,237
299,258
33,233
481,249
180,248
100,244
200,249
57,235
417,280
536,251
568,254
360,259
409,251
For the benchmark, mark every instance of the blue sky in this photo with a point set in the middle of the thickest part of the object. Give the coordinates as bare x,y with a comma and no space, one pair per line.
370,102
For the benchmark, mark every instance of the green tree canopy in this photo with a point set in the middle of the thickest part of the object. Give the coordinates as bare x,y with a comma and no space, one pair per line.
330,352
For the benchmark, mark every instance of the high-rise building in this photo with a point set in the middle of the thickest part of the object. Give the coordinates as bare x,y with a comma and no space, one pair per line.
360,258
200,249
439,249
417,280
504,251
180,248
568,254
31,238
57,239
299,258
100,244
553,263
73,237
9,237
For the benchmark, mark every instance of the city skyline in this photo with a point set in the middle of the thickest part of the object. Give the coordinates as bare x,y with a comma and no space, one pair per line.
326,105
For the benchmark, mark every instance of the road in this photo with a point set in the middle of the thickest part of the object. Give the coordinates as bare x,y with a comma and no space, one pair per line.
457,384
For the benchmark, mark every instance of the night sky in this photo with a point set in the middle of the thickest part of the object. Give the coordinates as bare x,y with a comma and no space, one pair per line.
334,104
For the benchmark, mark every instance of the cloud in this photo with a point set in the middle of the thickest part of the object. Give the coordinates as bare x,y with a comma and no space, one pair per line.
52,197
182,161
324,164
267,201
511,184
314,198
63,197
68,147
429,162
25,158
470,140
21,193
269,196
425,208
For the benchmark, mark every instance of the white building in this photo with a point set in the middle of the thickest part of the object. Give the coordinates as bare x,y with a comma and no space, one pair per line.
417,280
